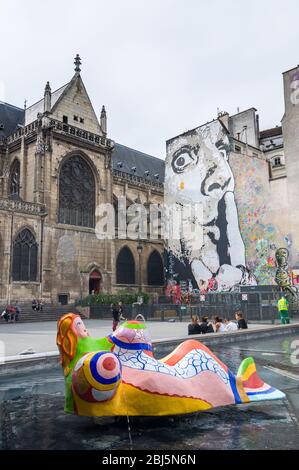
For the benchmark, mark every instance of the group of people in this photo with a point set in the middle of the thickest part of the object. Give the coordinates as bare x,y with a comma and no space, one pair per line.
11,313
37,305
117,312
216,325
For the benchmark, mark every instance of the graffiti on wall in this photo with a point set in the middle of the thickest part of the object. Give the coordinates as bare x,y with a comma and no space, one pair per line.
198,172
258,223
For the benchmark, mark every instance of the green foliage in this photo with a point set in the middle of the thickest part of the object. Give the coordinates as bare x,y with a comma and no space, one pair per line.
126,298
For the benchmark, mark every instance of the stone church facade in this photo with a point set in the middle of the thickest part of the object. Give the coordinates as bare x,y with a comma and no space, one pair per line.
57,164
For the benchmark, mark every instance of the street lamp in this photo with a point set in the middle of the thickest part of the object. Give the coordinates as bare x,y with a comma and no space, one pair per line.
139,251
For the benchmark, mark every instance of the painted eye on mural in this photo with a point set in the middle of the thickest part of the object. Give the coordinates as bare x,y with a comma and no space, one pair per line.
223,148
183,159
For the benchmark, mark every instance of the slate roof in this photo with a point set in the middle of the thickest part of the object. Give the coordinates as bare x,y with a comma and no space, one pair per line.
32,112
10,117
271,132
130,158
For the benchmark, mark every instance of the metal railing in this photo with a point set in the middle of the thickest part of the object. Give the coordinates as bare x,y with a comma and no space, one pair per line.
137,179
255,306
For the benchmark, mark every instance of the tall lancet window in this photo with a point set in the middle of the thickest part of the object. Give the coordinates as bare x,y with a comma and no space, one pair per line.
24,261
76,193
14,180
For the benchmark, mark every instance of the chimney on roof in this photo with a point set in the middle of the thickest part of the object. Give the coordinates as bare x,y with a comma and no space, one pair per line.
223,116
104,120
257,120
47,98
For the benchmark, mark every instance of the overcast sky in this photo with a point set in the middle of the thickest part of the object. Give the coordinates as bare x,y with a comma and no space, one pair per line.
159,66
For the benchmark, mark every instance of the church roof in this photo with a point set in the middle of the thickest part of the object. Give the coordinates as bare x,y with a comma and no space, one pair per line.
32,112
137,163
124,159
10,117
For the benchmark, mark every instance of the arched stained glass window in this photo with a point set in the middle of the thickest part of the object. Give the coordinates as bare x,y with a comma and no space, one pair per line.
24,263
76,193
14,180
125,267
155,270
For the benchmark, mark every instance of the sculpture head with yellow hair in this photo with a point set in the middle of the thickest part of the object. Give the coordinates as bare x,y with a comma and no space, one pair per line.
74,342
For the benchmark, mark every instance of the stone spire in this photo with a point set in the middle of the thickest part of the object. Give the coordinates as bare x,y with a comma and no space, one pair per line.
104,120
47,98
77,63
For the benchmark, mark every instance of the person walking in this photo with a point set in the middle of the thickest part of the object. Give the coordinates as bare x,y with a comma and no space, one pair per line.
283,308
121,311
115,316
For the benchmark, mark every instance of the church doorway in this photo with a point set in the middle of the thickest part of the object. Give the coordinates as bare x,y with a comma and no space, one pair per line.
95,279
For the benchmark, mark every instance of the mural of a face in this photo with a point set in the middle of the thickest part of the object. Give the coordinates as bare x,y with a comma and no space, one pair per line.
198,171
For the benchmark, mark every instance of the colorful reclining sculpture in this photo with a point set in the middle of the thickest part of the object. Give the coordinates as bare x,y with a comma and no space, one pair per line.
118,375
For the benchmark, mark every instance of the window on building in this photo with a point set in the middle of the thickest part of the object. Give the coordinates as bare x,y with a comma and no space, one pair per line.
24,263
82,120
14,180
64,119
76,193
277,161
125,267
155,270
237,149
75,118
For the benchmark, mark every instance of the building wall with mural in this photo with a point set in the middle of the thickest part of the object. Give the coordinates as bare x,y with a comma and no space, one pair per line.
263,214
246,213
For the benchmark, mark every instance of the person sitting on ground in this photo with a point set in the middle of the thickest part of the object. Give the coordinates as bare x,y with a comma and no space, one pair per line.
11,312
242,324
5,315
34,304
230,325
206,326
194,327
219,325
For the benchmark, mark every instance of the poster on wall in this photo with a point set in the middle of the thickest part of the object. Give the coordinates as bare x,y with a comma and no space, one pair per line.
199,181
